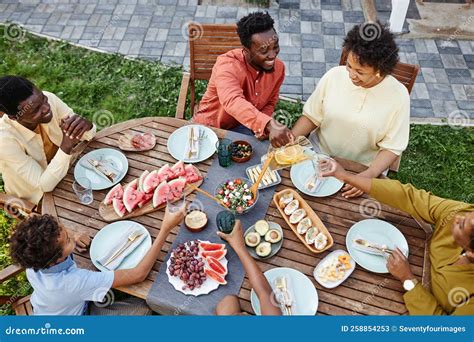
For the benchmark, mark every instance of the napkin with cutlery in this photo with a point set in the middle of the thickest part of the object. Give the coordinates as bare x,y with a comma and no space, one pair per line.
284,294
122,248
101,168
192,143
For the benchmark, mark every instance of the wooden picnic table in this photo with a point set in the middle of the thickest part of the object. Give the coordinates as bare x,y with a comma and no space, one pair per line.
363,293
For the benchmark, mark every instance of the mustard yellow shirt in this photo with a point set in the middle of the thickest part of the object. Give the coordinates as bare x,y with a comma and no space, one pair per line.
23,164
450,284
355,123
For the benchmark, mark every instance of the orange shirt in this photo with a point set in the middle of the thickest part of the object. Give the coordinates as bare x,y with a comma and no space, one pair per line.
238,94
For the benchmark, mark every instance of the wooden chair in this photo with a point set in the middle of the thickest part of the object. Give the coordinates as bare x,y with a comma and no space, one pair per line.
20,209
405,74
206,43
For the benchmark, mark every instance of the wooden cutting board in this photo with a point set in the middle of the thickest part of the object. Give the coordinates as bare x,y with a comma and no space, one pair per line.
107,212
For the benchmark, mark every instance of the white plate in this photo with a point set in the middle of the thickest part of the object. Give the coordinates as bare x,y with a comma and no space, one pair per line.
305,294
377,231
178,139
117,160
208,286
328,259
109,234
301,172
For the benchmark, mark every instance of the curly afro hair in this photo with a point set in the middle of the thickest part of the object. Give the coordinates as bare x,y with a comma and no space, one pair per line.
13,90
256,22
374,45
34,243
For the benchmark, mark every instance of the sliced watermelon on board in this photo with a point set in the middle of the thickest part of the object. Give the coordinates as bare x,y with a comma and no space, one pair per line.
115,192
178,169
151,182
215,276
215,254
145,199
216,266
165,173
131,196
192,174
161,194
206,246
119,208
142,179
177,187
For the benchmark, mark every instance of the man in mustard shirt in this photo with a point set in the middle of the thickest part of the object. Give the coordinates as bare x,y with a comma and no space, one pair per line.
37,135
451,249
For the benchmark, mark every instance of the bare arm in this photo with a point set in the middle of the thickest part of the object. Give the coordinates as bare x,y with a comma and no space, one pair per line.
139,273
303,126
332,168
257,279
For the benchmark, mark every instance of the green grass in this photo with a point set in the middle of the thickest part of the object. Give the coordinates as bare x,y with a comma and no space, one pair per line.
439,159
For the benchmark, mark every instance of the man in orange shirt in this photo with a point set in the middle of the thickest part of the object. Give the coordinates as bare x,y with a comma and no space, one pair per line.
245,83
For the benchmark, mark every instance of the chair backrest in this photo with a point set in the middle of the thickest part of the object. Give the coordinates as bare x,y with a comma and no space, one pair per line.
206,43
403,72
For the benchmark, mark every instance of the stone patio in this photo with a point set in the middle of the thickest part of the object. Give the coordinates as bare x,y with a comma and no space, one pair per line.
311,34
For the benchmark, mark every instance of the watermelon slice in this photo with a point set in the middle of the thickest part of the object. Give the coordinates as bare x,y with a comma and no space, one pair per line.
215,254
216,266
178,169
151,182
145,199
131,196
205,246
177,187
142,179
119,207
161,194
165,173
192,174
215,276
115,192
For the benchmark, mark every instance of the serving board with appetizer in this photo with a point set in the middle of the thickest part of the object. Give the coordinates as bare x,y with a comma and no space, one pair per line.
149,192
197,267
304,222
264,239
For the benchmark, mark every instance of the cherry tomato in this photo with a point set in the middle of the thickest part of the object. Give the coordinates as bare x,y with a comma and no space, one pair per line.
240,210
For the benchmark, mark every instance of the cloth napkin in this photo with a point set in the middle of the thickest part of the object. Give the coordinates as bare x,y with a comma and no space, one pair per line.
105,165
192,145
118,244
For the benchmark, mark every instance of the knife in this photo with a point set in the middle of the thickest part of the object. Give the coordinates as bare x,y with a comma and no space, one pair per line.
371,247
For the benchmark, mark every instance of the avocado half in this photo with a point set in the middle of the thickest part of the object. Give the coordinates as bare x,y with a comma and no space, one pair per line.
273,236
263,249
252,239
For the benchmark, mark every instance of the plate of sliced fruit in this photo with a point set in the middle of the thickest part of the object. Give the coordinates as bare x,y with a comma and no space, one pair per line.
197,267
264,239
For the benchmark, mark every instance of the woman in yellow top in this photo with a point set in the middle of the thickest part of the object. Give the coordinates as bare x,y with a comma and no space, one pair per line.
37,136
359,111
451,249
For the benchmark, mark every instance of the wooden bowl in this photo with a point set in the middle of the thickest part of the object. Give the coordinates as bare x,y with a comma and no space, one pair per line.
238,159
195,227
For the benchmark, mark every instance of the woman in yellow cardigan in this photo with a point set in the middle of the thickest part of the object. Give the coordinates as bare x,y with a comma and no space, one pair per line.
451,248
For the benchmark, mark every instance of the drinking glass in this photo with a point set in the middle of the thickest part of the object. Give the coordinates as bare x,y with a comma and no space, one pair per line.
84,191
225,221
175,205
224,152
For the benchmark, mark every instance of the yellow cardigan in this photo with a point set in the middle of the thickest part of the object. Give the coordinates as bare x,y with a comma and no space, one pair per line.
452,286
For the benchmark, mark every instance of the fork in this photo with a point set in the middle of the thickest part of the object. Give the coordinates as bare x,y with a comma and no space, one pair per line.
131,238
202,136
313,184
99,167
284,297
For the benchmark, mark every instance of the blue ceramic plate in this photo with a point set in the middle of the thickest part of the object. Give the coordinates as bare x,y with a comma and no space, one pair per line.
109,234
379,232
275,246
117,161
178,139
305,301
301,172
